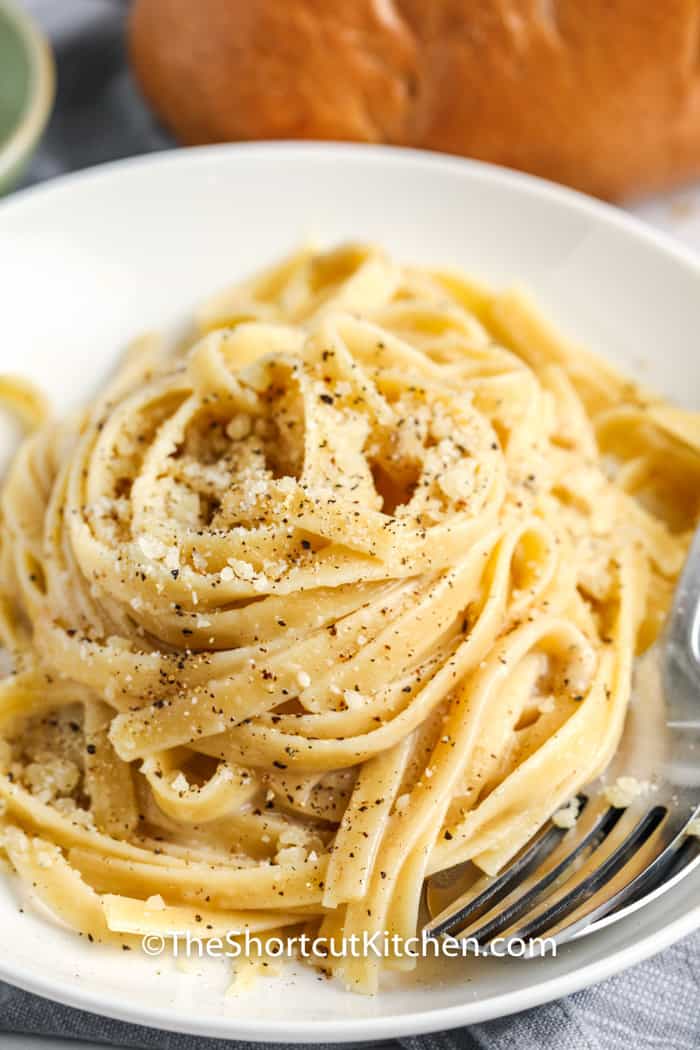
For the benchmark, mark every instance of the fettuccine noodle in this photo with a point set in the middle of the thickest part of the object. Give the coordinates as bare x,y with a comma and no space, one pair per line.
340,592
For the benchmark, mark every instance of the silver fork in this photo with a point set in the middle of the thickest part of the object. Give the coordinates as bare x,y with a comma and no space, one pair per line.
566,883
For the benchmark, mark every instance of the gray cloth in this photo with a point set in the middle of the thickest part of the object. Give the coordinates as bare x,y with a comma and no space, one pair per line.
655,1006
99,114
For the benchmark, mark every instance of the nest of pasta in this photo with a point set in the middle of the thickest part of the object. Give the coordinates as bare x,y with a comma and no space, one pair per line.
341,592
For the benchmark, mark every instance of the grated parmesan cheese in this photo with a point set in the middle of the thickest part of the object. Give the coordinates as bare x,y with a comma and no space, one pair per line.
625,791
151,547
155,902
567,816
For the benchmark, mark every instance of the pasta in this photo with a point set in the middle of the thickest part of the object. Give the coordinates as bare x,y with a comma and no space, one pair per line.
341,590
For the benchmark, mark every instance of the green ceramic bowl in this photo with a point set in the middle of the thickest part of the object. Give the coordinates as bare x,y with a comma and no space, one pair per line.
27,85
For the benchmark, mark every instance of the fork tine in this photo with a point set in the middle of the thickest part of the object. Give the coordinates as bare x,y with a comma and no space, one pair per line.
487,891
676,855
596,821
616,850
520,881
521,885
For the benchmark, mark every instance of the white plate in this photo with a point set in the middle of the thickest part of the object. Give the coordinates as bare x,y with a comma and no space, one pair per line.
95,258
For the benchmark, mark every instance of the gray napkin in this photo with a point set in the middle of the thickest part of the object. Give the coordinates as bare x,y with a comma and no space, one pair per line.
99,116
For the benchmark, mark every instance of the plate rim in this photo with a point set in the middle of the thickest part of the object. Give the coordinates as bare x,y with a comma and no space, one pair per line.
401,156
421,1021
369,1029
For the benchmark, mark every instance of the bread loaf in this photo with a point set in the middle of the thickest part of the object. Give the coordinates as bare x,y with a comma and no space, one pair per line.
603,95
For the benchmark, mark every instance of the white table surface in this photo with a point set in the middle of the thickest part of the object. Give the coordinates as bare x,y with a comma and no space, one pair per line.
676,213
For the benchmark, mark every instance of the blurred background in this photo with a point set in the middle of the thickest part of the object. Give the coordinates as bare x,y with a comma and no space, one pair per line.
98,113
603,97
